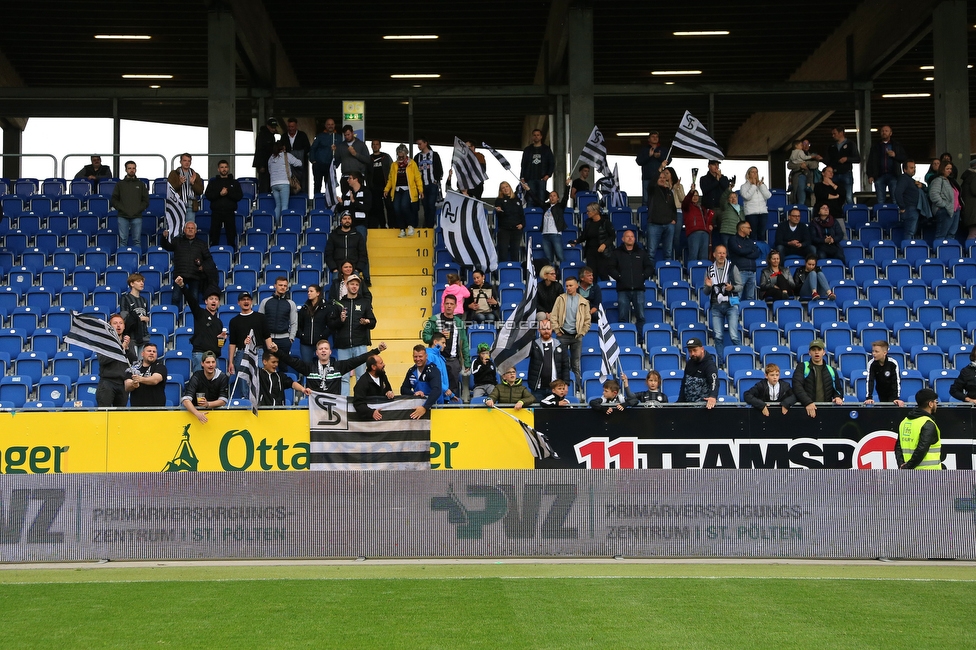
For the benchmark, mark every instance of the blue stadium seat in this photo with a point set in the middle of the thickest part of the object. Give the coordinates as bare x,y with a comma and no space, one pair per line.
178,362
909,334
851,359
46,340
31,364
665,357
746,379
913,250
947,334
836,334
928,312
780,355
764,334
68,364
799,335
940,381
946,290
785,311
54,389
15,389
912,290
740,357
927,358
893,311
657,334
930,269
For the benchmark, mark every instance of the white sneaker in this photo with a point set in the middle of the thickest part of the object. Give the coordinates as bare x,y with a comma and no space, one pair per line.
402,234
410,231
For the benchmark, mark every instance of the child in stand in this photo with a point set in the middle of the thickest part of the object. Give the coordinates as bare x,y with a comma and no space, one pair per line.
557,397
456,288
885,375
653,395
612,399
483,370
770,390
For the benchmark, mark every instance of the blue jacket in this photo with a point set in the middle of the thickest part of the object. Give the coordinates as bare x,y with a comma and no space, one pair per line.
427,380
906,192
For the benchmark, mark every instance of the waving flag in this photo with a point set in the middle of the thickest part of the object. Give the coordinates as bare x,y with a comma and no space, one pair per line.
331,195
248,372
538,442
692,136
468,167
609,351
498,156
174,214
595,152
466,235
92,333
517,334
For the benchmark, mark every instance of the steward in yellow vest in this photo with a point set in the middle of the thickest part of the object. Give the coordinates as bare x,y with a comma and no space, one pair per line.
919,444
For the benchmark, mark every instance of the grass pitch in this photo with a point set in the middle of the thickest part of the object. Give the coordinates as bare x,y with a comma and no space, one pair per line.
479,605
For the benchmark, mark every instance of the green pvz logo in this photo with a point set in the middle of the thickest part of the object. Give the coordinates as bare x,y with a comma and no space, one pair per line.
519,517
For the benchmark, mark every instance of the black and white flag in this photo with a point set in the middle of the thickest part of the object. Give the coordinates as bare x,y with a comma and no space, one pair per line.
92,333
615,198
518,332
595,152
174,214
468,167
538,442
330,196
692,136
466,235
609,351
498,156
339,441
248,371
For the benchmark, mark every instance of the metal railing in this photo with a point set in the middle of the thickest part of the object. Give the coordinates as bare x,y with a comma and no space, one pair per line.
34,155
109,155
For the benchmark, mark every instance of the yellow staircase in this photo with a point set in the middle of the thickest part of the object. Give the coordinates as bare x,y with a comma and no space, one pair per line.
402,273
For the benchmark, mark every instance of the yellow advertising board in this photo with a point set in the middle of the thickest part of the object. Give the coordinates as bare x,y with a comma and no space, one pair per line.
479,439
52,443
231,441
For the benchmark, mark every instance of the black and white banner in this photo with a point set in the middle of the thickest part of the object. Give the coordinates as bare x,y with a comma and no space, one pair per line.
92,333
466,234
609,350
513,341
174,214
595,152
340,441
468,167
692,136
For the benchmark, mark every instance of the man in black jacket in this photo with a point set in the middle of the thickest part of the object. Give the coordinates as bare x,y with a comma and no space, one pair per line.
841,156
538,164
111,372
131,198
817,381
713,184
793,237
371,387
662,215
630,266
346,243
263,144
206,389
298,145
191,258
273,382
548,361
208,334
884,164
223,192
700,382
325,375
352,326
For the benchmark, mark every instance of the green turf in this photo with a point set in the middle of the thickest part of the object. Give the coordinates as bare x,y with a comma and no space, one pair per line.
505,605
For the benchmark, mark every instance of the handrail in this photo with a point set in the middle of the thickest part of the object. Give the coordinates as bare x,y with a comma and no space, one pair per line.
109,155
34,155
175,158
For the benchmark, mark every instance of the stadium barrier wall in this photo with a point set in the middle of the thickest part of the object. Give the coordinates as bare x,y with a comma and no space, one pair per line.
536,513
664,438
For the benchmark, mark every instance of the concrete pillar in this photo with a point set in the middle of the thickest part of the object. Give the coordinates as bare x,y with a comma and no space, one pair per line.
949,37
221,71
117,165
13,137
581,114
557,134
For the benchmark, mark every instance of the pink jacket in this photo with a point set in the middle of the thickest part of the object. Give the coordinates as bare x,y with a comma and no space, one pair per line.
461,293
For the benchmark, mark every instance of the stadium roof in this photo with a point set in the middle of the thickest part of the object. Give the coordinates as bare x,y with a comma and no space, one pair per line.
490,60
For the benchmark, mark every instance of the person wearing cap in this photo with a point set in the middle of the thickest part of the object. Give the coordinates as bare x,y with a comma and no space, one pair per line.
484,373
263,144
724,284
816,381
345,243
208,330
352,325
650,157
240,327
548,361
713,184
700,381
206,389
919,441
630,266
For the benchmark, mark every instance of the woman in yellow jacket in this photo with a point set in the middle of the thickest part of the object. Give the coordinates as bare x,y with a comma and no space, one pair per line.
407,189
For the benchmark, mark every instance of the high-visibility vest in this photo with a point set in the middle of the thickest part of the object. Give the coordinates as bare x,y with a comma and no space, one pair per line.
909,432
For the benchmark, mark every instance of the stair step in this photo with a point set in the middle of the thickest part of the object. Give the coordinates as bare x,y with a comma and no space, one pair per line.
392,234
400,281
397,264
